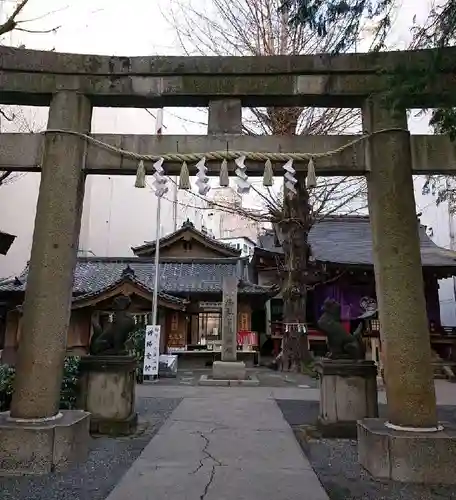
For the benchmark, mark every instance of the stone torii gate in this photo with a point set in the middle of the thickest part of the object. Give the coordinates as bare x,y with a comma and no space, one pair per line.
72,84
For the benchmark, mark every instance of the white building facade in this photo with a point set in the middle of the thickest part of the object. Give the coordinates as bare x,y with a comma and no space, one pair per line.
242,243
440,222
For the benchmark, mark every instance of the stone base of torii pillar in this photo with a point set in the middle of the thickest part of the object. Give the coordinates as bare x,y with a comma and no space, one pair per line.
42,446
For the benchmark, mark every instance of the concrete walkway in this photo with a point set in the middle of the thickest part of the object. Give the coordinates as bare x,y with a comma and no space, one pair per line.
221,445
445,392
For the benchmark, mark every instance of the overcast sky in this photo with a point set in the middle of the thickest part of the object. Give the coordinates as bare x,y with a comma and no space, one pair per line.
116,213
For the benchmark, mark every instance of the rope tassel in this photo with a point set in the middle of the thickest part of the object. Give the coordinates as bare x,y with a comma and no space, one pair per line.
311,180
184,177
224,177
141,176
268,176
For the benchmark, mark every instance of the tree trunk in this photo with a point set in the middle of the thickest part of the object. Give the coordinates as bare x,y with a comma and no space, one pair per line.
295,228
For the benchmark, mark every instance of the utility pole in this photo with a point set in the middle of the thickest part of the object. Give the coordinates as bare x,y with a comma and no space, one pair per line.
451,228
175,199
158,131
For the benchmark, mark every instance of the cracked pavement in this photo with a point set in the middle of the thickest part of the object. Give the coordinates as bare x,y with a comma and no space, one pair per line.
222,445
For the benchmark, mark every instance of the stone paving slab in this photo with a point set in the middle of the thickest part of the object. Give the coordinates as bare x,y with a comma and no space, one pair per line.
222,446
248,484
231,412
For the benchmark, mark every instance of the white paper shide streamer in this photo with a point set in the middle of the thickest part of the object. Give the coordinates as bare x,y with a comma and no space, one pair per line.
202,180
243,184
159,182
242,179
290,179
151,350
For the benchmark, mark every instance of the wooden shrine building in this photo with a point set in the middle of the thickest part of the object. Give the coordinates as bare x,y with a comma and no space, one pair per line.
192,267
343,270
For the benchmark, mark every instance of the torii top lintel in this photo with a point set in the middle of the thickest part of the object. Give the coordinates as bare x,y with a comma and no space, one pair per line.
31,77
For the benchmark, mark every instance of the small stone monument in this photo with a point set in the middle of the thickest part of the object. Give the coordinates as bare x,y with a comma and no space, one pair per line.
108,375
348,382
229,368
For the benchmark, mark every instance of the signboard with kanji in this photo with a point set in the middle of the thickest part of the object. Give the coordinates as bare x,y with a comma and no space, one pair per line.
152,350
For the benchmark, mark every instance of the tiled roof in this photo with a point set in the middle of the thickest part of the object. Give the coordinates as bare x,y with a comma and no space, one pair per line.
177,276
348,240
186,226
128,275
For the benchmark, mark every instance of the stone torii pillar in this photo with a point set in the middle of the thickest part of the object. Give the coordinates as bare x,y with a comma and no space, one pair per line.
386,448
57,437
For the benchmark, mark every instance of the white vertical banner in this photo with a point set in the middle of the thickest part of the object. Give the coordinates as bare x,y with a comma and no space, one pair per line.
152,350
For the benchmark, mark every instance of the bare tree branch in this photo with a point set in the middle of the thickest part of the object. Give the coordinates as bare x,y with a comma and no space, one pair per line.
4,176
11,23
14,24
261,27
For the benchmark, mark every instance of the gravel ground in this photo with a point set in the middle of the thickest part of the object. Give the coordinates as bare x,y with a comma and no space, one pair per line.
108,460
336,462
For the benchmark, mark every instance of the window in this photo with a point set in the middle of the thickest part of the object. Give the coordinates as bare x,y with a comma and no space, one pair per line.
187,246
210,325
244,248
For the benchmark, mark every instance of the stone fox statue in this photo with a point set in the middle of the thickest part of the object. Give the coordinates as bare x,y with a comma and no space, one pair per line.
111,339
342,345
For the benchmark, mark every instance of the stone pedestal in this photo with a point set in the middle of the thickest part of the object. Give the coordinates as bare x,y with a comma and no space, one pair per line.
107,391
229,370
348,392
419,457
43,446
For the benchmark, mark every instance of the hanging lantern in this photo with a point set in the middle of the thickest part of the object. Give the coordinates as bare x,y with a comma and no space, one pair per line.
224,177
184,177
268,176
311,179
141,176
